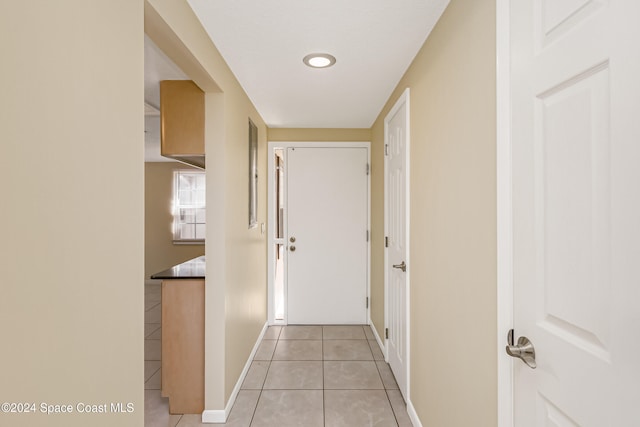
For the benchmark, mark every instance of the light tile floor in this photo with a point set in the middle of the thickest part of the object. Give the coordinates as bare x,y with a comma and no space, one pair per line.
324,376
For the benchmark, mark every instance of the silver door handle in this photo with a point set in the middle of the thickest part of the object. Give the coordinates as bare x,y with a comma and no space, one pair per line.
402,266
523,350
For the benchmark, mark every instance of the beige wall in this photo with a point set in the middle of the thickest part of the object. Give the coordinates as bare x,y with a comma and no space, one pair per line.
308,134
71,305
246,249
453,217
159,251
236,307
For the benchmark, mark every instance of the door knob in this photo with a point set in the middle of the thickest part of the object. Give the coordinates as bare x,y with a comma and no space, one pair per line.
292,248
292,239
402,266
523,350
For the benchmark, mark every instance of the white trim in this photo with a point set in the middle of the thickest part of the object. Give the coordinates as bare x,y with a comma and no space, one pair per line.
407,226
504,213
271,226
413,415
272,146
404,98
210,416
379,340
220,415
369,235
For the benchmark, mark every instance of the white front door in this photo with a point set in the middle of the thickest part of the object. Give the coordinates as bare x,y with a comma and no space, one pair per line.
327,235
575,66
397,236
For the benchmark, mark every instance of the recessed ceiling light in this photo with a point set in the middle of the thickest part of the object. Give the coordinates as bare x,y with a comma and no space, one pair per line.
319,60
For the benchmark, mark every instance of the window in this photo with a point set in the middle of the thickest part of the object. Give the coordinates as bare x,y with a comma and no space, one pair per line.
189,207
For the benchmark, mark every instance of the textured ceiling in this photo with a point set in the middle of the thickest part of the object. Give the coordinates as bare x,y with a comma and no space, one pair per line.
264,42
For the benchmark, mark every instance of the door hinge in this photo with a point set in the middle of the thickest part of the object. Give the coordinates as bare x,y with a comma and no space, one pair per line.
368,168
386,241
386,333
367,235
386,149
367,305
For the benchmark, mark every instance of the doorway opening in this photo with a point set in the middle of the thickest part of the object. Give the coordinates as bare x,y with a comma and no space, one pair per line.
278,212
397,226
318,241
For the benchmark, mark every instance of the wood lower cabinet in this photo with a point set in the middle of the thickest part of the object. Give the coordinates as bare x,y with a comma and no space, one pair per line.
183,345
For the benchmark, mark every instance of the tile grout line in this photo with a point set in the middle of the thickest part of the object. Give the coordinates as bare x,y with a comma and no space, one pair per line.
393,411
323,360
154,372
324,394
386,391
255,409
151,308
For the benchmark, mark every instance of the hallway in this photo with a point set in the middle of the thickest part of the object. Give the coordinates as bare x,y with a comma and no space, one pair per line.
324,376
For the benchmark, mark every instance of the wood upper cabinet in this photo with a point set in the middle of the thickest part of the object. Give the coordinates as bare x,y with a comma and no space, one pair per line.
182,121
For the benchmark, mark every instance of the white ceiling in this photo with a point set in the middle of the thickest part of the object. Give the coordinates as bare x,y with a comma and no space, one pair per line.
264,42
374,42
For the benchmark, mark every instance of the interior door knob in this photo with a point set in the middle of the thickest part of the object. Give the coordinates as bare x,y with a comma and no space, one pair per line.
292,248
292,239
523,350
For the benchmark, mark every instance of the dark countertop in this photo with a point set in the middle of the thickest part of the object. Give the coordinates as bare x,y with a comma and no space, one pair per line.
192,269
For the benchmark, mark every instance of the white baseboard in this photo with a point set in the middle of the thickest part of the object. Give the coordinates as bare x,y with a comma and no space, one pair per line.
221,415
378,339
214,416
413,416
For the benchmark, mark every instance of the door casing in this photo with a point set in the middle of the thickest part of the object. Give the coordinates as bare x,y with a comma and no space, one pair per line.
504,226
402,100
271,255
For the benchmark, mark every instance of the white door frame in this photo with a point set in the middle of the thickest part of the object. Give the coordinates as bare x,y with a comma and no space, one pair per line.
271,218
402,100
504,213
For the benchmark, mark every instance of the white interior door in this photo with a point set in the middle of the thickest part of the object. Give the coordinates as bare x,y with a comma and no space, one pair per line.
327,232
575,66
396,207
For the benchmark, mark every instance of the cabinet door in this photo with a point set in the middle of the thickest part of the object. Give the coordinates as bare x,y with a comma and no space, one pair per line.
182,118
183,345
